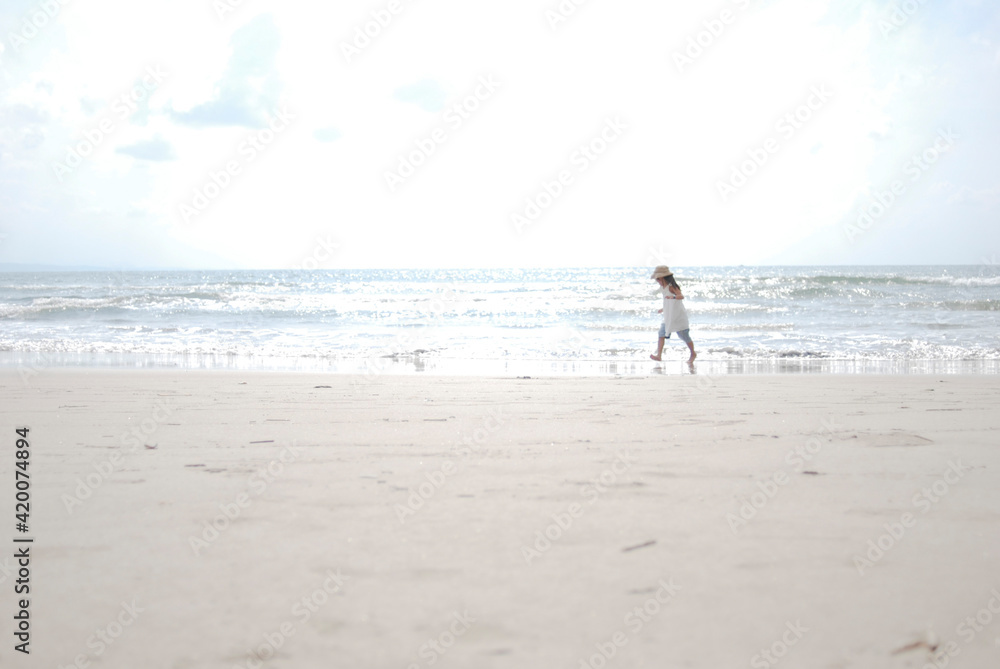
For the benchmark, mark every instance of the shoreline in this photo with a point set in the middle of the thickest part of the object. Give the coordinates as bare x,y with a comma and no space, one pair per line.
404,365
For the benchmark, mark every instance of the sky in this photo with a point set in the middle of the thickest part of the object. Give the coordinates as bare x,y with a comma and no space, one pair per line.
445,133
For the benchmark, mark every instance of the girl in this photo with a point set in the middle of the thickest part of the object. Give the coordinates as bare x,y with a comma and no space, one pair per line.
674,314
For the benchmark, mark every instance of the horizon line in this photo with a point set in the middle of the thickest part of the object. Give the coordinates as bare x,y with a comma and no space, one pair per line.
42,268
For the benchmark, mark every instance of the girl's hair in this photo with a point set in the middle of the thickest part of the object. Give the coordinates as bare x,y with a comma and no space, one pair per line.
671,281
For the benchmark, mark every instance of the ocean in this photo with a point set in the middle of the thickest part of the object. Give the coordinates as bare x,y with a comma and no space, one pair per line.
506,321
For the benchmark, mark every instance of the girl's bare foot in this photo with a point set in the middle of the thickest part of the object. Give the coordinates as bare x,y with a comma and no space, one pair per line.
654,357
693,356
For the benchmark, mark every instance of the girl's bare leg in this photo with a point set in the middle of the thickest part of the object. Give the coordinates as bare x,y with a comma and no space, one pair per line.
693,354
659,349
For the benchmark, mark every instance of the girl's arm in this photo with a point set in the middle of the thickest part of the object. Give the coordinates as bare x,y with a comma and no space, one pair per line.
676,292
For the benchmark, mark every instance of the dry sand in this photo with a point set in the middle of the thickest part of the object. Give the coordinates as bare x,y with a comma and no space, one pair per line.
406,525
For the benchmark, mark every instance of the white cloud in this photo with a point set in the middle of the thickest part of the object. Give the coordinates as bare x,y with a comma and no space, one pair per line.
323,174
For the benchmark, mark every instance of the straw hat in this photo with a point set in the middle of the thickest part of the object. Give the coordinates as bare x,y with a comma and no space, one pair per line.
661,271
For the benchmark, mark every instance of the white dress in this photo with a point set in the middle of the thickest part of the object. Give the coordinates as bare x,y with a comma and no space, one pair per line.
675,316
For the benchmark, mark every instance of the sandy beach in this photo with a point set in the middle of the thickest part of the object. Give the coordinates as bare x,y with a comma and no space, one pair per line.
223,519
